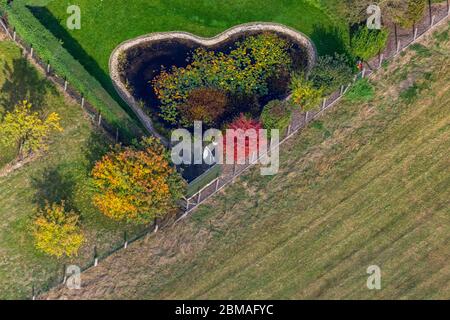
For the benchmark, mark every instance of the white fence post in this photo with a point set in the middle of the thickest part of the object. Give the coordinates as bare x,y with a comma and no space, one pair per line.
399,43
381,60
416,32
65,85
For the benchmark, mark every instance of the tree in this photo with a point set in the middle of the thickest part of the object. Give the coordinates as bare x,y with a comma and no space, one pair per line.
304,93
242,126
26,130
330,72
414,12
368,43
204,104
277,115
57,231
137,184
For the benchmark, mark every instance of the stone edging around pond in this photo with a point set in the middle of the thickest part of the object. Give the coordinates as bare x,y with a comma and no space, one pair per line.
207,42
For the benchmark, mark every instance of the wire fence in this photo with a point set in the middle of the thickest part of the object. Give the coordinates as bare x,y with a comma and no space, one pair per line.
227,174
30,53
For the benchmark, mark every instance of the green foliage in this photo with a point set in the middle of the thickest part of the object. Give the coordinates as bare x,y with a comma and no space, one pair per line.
366,43
277,115
304,93
57,232
331,72
414,12
244,70
361,91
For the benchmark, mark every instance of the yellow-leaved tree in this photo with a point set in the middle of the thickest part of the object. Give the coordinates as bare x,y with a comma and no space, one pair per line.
26,130
57,231
137,184
304,94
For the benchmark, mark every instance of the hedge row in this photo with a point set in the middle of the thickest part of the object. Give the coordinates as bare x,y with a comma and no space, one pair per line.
49,48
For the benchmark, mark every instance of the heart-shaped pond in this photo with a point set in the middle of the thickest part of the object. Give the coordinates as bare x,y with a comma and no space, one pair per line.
135,63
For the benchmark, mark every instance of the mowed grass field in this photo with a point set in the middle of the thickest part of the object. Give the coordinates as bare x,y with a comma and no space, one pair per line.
105,24
368,184
62,173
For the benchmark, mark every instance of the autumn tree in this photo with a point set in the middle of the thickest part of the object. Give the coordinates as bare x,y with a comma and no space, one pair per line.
239,132
27,129
304,93
137,184
57,231
204,104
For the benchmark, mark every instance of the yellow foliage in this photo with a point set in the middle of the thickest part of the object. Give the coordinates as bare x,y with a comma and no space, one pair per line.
136,185
57,232
26,130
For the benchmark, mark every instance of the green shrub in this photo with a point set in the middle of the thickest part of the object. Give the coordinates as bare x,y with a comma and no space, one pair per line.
277,115
331,72
245,71
362,91
367,43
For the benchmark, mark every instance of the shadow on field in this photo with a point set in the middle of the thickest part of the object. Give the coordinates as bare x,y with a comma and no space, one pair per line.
94,149
47,19
329,40
23,82
54,185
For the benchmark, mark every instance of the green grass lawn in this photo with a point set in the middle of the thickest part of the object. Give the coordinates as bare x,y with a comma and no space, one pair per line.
368,184
105,24
61,173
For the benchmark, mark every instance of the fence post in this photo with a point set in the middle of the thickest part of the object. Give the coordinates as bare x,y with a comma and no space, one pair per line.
416,31
31,52
156,226
64,274
48,67
99,119
363,73
433,18
95,257
324,104
65,84
82,101
342,90
430,12
381,60
217,183
306,118
289,130
33,293
399,43
14,35
125,240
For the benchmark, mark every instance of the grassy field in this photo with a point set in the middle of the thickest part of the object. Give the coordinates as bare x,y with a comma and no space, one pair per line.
367,185
61,173
105,24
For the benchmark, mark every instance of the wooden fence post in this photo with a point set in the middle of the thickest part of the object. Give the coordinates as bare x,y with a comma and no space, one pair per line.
416,31
381,60
82,101
95,257
65,84
125,240
399,43
99,119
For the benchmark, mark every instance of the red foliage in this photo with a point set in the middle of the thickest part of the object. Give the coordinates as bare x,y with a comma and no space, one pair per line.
243,123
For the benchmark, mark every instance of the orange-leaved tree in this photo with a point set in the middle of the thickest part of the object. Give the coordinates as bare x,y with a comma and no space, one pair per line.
137,184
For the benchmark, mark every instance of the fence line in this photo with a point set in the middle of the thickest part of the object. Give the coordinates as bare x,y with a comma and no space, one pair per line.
63,84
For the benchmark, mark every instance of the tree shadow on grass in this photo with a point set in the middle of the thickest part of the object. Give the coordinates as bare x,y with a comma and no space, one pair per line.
47,19
96,146
329,40
23,82
54,185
